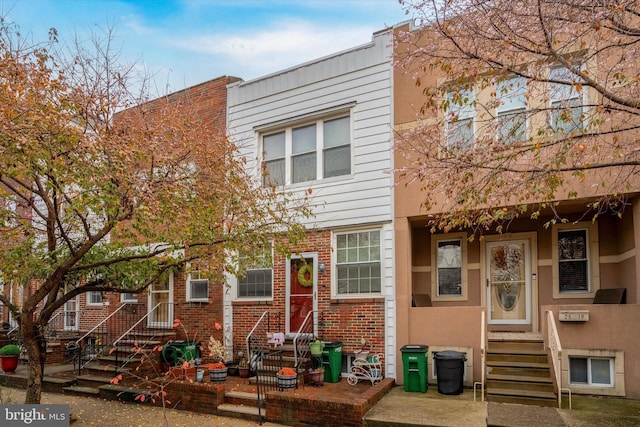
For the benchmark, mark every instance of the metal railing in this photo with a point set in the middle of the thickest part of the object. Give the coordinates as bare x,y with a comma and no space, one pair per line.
264,361
98,340
138,337
302,340
483,357
553,342
269,321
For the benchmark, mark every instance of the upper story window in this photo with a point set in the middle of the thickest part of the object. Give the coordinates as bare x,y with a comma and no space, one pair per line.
512,108
258,279
449,266
128,297
311,151
358,264
459,119
197,287
566,102
575,260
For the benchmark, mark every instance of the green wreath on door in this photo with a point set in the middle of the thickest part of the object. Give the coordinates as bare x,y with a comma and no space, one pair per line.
302,271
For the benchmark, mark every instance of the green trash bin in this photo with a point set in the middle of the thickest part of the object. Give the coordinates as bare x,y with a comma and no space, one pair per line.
178,351
332,361
414,362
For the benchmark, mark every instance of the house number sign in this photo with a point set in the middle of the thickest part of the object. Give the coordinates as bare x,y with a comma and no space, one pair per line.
573,315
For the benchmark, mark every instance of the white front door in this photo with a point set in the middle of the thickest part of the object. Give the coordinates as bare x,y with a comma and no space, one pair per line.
302,279
161,303
508,282
71,315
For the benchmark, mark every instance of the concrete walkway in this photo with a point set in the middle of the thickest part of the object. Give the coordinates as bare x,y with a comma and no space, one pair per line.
402,409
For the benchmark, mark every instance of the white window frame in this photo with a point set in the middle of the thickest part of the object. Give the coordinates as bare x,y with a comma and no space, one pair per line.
511,94
564,94
256,267
460,117
336,265
435,239
128,297
320,149
90,301
195,278
593,259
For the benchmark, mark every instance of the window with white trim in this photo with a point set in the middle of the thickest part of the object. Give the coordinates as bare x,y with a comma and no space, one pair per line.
459,119
512,109
575,257
566,102
128,297
358,263
591,371
197,287
94,298
307,152
258,278
449,267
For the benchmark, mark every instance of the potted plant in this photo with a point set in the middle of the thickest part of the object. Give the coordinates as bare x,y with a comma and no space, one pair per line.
9,355
218,353
243,368
287,378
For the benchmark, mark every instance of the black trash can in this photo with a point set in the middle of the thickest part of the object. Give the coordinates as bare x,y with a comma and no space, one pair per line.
450,371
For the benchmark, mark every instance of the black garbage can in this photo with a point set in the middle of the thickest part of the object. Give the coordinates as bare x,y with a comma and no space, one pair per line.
450,371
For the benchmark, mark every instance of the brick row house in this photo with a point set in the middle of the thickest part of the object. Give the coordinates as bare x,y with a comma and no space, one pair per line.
372,273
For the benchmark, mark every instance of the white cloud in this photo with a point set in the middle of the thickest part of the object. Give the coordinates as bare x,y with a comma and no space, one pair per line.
282,45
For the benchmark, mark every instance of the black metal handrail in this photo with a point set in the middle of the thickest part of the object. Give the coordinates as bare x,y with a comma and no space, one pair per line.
98,342
138,338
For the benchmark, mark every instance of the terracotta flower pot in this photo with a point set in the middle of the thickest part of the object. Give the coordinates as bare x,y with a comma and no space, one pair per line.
9,364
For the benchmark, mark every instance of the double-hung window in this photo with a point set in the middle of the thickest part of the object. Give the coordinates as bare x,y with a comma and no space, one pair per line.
308,151
197,287
257,281
459,119
566,102
274,159
358,264
512,109
449,267
575,257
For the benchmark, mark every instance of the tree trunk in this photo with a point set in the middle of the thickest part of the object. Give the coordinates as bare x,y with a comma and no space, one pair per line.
35,345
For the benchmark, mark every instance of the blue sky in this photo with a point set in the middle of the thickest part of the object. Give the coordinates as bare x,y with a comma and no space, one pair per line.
191,41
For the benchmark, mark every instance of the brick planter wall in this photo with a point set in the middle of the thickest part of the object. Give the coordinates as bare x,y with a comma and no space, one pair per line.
298,410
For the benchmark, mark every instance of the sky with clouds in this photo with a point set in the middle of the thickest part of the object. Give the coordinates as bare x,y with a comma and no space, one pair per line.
186,42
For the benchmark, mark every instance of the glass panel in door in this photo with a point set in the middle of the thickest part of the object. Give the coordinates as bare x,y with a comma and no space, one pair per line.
301,292
508,286
161,302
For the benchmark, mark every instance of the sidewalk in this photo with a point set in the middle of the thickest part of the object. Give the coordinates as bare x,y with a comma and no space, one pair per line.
399,408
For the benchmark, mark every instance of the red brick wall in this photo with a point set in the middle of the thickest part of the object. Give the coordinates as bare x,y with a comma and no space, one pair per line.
339,320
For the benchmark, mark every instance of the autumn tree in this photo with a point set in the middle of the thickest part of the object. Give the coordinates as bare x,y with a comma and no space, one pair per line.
526,104
101,192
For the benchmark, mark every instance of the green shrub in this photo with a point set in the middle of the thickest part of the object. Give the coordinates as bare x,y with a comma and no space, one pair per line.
10,350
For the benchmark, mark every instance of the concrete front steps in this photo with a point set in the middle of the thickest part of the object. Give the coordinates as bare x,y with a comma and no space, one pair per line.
518,372
239,404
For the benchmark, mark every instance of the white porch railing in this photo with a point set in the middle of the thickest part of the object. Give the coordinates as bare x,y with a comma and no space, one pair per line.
483,357
553,342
